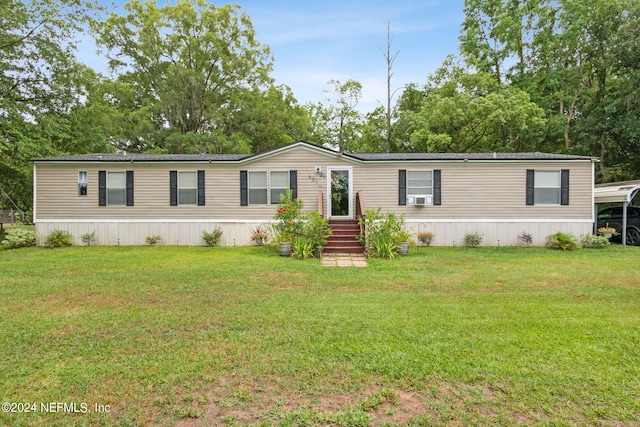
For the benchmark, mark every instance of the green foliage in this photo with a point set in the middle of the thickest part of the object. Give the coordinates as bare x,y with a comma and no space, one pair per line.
58,239
305,230
337,122
19,238
198,80
302,248
288,223
562,241
153,240
592,241
212,239
89,238
383,232
473,239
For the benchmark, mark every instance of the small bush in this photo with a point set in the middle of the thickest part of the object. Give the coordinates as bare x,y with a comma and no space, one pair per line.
212,239
153,240
383,232
58,239
592,241
302,248
19,238
562,241
473,240
526,238
89,238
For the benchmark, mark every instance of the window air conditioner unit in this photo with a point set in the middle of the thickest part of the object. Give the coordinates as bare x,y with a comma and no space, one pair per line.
423,200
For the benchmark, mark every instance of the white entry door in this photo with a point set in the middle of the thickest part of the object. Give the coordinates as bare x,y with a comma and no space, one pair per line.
340,199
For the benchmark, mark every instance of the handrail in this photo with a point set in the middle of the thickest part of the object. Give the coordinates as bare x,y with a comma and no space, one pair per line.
360,208
321,204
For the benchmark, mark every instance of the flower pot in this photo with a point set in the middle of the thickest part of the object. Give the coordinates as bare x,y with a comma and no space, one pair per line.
403,248
426,240
607,235
259,241
284,248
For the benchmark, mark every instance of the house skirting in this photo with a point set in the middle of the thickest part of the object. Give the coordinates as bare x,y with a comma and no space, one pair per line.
503,232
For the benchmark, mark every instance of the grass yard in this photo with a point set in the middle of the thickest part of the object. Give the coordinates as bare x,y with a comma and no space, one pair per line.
239,336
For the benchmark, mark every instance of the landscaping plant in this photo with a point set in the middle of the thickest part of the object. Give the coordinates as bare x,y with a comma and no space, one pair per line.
383,232
562,241
89,238
212,239
473,240
591,241
153,240
58,238
19,238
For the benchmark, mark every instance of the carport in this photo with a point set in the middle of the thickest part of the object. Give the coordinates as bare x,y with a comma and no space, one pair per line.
616,192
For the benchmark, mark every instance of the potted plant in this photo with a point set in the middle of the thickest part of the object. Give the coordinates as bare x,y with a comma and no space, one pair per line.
259,235
607,232
425,237
402,241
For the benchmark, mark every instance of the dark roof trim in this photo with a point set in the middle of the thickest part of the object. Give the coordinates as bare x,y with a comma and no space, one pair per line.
361,157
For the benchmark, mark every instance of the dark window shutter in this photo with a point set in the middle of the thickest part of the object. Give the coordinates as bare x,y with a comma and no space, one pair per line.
564,187
293,184
102,188
437,192
129,188
200,188
244,188
402,187
173,188
530,186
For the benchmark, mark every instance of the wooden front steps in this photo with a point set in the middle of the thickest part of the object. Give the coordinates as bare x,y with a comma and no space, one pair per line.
344,239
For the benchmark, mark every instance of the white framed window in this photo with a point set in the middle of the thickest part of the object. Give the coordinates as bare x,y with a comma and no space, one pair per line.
420,187
265,187
116,189
188,188
547,187
278,185
258,188
82,183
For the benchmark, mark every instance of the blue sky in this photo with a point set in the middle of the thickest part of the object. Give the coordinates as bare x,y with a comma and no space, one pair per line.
313,42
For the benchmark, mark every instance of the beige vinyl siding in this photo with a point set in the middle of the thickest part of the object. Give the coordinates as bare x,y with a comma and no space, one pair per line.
489,197
469,190
476,190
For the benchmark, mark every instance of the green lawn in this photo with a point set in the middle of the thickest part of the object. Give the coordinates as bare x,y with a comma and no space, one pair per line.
239,336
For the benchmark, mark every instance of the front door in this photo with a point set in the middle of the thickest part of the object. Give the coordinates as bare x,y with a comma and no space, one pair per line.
339,190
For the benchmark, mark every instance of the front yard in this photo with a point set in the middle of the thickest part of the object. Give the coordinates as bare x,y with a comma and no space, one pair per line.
239,336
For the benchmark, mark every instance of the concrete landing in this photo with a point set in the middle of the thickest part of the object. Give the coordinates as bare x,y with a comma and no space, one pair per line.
344,260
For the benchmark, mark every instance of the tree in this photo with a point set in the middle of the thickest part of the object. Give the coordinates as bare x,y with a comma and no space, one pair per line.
462,112
194,69
40,81
338,123
390,58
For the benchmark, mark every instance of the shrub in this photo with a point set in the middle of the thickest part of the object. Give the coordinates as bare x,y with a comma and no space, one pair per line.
58,239
315,229
288,223
592,241
305,231
562,241
19,238
212,239
153,240
302,248
473,239
383,233
89,238
526,238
